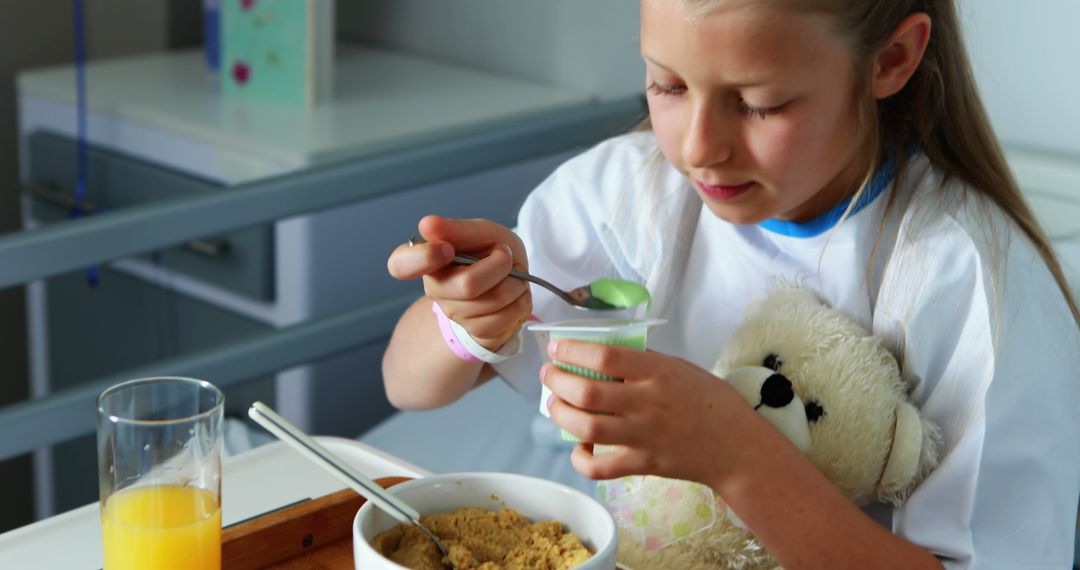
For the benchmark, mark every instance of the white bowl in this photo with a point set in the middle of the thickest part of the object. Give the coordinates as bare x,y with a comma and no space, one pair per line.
537,499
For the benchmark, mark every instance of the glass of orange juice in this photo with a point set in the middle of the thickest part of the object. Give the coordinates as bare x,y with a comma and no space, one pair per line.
159,462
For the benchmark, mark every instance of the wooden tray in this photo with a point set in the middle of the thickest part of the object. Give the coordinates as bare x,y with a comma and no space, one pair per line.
310,535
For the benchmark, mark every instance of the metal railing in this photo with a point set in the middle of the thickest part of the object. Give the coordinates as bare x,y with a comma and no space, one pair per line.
49,250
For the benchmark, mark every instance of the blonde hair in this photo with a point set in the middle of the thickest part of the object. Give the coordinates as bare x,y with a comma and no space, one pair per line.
939,111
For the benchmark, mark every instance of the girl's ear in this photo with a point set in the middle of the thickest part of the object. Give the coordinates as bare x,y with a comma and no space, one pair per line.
895,63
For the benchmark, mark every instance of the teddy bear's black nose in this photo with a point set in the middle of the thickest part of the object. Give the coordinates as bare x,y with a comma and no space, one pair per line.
776,392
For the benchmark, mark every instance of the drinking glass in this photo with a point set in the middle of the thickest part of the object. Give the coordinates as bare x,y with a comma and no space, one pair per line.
159,473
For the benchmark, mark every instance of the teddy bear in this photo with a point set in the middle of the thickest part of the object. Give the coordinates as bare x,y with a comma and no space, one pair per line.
828,386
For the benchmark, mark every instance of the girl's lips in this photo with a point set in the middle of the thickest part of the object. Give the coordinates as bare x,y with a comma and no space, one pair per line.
721,192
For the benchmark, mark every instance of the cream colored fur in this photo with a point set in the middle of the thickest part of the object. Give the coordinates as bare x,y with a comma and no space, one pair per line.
870,441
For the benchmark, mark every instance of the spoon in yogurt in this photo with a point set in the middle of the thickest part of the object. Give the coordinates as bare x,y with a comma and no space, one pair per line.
605,294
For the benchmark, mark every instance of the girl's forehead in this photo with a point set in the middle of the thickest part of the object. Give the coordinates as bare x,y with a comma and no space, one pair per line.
696,8
737,37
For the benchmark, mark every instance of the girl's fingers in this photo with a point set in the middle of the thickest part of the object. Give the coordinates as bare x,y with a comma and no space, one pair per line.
609,464
614,361
500,297
410,262
471,235
445,237
470,282
586,394
588,426
495,326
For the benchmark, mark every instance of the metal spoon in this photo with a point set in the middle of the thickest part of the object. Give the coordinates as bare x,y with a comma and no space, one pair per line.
626,294
370,490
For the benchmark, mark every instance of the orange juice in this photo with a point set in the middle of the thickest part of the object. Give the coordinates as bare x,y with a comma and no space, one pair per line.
162,527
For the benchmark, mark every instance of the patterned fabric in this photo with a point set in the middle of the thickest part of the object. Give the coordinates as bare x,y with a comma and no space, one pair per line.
656,511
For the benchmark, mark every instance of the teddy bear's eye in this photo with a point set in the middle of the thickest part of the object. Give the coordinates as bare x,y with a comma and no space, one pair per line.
814,411
772,362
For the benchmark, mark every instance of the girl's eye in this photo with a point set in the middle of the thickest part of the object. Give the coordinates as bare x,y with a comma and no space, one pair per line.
758,112
659,89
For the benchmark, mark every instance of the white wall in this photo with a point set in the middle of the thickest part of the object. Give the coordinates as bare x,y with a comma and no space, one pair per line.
589,46
1026,57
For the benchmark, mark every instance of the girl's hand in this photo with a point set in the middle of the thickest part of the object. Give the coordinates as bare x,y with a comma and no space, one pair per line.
668,418
482,297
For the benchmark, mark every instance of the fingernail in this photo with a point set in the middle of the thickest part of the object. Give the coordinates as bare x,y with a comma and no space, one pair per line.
550,400
446,250
552,347
543,372
508,251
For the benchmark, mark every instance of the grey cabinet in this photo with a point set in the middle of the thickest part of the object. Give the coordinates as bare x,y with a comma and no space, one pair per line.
93,330
121,323
240,261
313,265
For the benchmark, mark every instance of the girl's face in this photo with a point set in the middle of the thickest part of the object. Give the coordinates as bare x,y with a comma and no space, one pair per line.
755,106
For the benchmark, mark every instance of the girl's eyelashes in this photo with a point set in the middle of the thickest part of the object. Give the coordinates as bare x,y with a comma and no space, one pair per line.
660,89
747,109
758,112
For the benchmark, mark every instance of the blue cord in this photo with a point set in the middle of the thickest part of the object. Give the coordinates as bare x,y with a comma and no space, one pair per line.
82,164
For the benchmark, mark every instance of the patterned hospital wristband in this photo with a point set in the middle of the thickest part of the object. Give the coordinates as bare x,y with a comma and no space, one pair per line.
448,334
465,347
511,348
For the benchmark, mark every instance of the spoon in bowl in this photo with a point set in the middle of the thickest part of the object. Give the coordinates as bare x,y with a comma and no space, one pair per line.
605,294
370,490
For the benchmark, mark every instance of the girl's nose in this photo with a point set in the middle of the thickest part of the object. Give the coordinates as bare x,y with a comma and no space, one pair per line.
708,139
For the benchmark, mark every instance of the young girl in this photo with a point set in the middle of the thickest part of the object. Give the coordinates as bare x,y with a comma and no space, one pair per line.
839,145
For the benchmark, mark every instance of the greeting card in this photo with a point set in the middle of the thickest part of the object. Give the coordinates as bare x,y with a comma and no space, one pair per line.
278,51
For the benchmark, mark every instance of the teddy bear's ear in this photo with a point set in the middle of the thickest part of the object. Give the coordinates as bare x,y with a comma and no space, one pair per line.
915,449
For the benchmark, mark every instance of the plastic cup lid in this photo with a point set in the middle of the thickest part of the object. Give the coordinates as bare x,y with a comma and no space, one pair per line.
593,325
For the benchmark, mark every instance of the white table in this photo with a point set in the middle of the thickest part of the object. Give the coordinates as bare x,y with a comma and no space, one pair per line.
253,483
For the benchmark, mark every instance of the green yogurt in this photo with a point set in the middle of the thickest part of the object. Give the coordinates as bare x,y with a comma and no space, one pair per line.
620,293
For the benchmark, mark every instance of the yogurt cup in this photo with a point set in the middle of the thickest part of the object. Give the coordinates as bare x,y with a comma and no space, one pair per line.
631,333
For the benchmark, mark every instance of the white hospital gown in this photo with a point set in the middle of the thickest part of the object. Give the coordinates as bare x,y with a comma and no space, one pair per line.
984,336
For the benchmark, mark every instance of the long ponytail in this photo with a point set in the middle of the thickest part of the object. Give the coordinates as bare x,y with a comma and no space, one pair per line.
940,111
